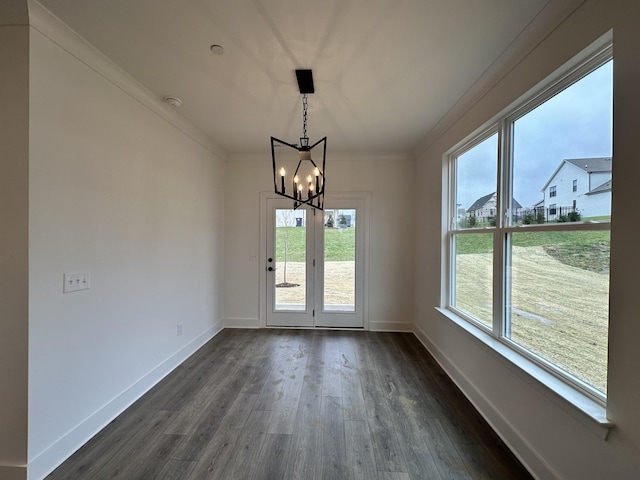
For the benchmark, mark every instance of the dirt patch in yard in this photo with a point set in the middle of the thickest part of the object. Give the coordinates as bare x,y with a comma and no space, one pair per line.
339,283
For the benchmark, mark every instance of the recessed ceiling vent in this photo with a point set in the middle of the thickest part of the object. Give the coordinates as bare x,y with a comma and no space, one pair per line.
217,49
175,102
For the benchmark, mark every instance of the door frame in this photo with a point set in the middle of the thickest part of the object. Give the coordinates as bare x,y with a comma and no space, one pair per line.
365,197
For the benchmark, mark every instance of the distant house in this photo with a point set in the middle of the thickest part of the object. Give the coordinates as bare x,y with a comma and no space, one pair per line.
484,208
582,184
539,204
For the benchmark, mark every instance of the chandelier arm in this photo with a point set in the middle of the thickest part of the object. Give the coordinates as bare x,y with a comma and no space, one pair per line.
318,142
292,145
273,159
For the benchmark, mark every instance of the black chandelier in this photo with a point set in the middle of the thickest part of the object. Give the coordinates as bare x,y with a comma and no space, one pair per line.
307,181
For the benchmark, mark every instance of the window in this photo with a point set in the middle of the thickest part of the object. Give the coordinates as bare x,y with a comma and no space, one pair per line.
472,292
575,186
534,274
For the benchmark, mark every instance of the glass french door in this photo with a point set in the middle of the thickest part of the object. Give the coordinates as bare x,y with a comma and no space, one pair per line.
290,269
315,264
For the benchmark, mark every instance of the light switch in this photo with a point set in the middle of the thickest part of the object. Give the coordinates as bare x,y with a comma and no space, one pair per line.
76,281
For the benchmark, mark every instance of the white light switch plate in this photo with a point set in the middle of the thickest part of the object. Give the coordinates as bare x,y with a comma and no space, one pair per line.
76,281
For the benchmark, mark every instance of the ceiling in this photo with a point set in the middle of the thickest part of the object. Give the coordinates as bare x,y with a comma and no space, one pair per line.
385,71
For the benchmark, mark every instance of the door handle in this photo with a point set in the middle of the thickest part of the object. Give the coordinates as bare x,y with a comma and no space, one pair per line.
271,269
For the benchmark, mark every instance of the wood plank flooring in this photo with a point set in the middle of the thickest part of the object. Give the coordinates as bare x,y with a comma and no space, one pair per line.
299,404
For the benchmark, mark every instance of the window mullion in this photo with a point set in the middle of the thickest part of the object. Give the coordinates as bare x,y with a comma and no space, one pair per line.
498,238
450,238
505,183
498,272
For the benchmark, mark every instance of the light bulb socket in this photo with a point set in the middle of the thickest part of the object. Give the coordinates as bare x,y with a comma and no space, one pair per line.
305,154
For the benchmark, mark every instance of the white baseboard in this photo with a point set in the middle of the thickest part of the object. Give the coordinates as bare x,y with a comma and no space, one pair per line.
518,445
62,449
241,323
391,327
373,326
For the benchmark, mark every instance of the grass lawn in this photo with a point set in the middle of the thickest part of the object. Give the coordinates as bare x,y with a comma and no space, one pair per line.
338,244
587,250
559,295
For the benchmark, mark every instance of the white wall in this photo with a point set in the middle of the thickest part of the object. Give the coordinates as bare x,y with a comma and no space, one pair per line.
552,439
598,178
563,181
14,262
390,182
595,205
117,190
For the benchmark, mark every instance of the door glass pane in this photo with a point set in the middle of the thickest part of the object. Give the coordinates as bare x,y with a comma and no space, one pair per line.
339,260
291,248
473,293
562,154
560,300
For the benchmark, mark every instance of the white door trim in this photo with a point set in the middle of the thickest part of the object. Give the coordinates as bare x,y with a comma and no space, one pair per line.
365,197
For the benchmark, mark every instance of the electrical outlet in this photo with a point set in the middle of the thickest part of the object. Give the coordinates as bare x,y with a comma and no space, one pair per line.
179,329
76,281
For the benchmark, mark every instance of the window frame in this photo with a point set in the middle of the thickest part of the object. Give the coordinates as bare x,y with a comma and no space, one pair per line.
553,191
453,216
502,125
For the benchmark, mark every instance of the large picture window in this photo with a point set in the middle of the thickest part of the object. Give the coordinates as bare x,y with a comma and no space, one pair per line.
532,273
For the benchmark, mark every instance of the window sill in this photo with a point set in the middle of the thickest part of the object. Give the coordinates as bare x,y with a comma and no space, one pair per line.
588,411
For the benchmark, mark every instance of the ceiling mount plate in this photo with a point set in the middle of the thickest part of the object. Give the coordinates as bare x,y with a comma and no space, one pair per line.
305,81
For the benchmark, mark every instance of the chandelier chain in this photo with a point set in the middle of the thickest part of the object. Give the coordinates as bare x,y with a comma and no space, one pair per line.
304,115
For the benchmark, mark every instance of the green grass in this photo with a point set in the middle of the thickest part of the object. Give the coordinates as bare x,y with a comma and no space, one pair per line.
587,250
293,239
339,244
474,243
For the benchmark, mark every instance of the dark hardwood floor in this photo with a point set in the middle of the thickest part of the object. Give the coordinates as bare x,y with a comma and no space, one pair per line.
299,404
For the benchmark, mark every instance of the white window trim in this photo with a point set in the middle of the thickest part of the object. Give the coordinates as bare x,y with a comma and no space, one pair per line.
586,401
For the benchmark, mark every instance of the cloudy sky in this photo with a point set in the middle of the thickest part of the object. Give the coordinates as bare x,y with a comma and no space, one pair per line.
576,123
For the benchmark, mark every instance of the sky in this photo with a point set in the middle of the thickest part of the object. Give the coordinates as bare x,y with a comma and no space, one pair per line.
576,123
